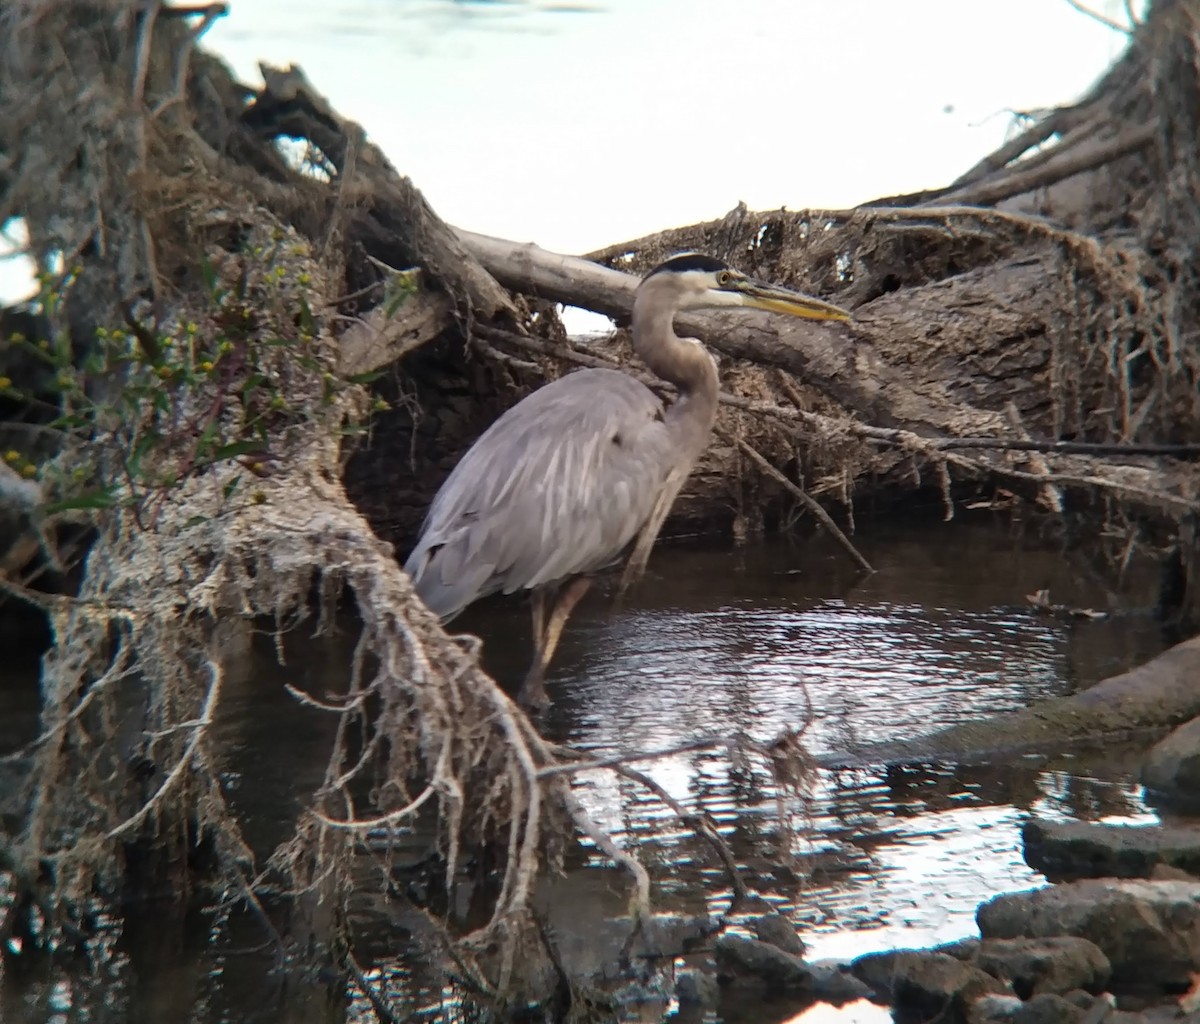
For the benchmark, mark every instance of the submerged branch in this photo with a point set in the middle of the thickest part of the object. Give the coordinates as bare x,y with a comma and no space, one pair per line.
806,500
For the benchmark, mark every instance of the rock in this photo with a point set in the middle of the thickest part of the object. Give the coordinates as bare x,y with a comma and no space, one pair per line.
1057,964
834,982
752,959
697,988
994,1009
1150,931
672,935
780,932
961,949
1049,1008
586,915
1168,1014
1166,873
1172,768
1085,850
924,984
1081,998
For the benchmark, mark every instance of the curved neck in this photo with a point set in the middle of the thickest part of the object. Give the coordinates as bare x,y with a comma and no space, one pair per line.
685,364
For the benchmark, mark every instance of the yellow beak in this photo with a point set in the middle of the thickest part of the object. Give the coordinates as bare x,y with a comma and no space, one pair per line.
781,300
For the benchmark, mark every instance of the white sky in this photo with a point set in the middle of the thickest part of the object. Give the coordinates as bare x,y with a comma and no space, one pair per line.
578,129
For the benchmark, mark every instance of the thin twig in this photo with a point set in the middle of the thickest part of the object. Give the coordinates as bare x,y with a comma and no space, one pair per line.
177,773
641,906
365,824
694,819
1034,135
799,493
574,767
1064,447
1104,20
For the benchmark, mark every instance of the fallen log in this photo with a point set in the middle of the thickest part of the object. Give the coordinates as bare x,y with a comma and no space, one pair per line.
847,364
1139,703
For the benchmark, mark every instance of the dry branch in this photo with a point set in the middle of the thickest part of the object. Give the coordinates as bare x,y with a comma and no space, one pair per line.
397,211
882,404
1059,167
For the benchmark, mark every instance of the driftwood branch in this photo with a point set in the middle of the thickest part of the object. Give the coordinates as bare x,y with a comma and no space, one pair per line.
1058,168
1151,697
1056,121
845,363
380,339
398,213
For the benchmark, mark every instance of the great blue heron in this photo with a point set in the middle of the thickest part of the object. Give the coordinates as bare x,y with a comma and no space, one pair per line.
562,483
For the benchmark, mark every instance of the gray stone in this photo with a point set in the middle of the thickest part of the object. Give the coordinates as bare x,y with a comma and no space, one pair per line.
1080,849
924,984
1172,768
744,959
1150,931
834,982
672,935
1049,1008
697,988
1056,964
1167,1014
778,931
1081,998
961,949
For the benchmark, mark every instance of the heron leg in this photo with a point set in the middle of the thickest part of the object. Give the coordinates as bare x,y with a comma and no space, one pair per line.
533,690
537,605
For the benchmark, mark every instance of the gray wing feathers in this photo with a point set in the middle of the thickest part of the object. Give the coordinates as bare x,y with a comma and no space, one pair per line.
559,485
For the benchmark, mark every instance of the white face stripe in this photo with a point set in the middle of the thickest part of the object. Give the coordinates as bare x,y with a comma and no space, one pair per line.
698,290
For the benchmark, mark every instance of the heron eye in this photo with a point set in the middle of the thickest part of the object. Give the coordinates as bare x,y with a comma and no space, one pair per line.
724,277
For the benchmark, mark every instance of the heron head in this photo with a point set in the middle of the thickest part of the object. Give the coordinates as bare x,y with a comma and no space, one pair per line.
700,281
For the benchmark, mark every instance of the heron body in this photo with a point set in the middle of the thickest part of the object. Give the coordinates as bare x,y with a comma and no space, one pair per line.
566,480
558,486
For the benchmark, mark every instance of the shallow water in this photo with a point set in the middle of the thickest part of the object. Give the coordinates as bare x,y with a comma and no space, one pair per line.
717,642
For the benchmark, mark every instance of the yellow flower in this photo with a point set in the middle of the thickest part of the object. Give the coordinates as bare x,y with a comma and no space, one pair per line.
29,470
5,383
207,366
12,455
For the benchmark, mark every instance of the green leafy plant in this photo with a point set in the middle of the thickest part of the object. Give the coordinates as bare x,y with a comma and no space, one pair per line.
145,407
